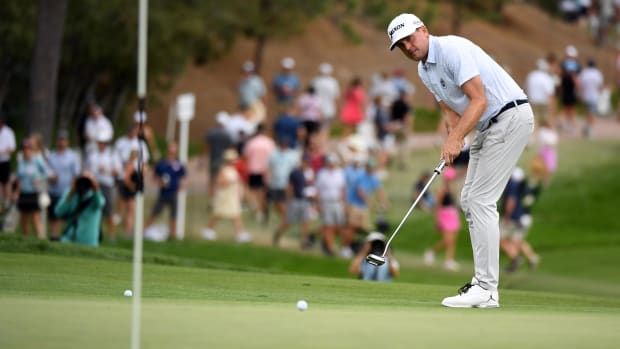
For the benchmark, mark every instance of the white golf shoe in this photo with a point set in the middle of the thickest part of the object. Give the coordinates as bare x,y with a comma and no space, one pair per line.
473,295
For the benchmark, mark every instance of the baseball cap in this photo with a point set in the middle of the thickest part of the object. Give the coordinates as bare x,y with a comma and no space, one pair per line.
402,26
104,136
374,236
326,68
288,63
571,51
542,64
221,117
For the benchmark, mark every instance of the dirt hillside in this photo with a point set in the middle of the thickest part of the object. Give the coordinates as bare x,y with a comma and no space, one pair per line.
526,35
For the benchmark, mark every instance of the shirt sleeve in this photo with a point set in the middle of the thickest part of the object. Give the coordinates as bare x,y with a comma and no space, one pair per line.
460,64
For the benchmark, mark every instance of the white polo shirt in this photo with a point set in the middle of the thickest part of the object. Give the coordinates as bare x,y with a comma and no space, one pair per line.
454,60
539,87
7,143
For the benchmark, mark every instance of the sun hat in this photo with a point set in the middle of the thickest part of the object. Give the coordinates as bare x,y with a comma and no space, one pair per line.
571,51
288,63
374,236
402,26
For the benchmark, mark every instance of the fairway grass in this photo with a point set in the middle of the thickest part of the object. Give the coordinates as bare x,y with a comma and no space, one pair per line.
73,302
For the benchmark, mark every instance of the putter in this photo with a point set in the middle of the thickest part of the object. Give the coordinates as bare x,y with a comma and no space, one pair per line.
377,260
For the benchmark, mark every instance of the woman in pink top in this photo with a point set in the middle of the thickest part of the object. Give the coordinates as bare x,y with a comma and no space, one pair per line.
353,110
256,152
309,106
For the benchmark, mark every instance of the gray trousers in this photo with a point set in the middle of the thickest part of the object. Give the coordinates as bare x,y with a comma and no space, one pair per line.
493,156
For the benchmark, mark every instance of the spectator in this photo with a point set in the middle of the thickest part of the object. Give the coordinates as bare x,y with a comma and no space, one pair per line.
540,89
427,202
401,125
282,161
252,93
519,197
548,141
129,143
239,126
352,113
399,80
447,221
7,148
66,165
217,141
96,124
286,84
227,199
127,189
365,185
309,106
331,191
375,244
384,88
105,166
569,87
257,152
328,90
31,173
81,206
287,126
146,137
299,204
591,85
170,175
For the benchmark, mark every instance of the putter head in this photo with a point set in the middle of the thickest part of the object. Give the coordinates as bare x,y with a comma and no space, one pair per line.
375,260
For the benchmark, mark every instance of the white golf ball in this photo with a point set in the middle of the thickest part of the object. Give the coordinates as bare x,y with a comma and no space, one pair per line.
127,293
302,305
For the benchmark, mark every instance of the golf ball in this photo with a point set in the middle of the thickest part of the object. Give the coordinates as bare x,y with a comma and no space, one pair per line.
302,305
127,293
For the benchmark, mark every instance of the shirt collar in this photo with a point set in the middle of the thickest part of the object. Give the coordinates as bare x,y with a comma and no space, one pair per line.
431,57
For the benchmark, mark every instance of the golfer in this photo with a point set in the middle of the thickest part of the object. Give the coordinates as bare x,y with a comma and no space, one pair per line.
474,92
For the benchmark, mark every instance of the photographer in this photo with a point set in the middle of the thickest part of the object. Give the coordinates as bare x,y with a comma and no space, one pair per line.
375,244
82,206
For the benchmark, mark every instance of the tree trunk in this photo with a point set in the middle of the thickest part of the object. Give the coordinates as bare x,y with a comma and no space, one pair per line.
457,6
44,67
259,52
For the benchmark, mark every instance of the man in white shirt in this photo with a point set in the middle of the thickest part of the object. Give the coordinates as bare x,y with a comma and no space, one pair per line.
331,189
105,165
591,86
540,88
474,92
96,124
328,90
7,147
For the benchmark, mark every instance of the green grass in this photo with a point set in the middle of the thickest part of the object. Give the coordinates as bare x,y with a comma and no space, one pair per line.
221,294
72,302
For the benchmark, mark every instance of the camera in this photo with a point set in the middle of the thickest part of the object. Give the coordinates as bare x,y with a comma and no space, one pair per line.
83,184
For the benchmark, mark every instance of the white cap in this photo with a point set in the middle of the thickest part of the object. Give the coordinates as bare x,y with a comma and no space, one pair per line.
402,26
518,174
571,51
542,64
139,117
288,63
375,236
248,66
326,68
221,117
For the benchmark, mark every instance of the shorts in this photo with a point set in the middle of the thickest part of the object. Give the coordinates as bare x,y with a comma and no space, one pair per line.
591,107
256,181
513,231
540,111
297,211
108,194
312,126
125,192
51,215
277,195
332,213
448,219
28,202
358,217
5,172
214,168
161,203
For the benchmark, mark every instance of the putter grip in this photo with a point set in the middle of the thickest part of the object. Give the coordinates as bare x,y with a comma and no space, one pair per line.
440,167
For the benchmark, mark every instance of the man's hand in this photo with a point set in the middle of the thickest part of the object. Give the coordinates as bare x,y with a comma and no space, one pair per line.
451,148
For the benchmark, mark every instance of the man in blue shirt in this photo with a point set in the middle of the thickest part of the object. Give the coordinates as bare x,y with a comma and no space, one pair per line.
286,84
170,174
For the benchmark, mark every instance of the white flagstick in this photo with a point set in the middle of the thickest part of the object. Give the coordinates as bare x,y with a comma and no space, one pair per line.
139,221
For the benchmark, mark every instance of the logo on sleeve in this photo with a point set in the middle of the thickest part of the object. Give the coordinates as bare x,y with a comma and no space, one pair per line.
443,83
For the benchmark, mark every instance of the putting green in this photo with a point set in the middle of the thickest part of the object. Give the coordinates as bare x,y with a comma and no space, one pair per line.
77,303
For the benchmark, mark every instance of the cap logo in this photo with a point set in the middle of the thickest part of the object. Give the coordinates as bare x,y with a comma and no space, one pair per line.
396,28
